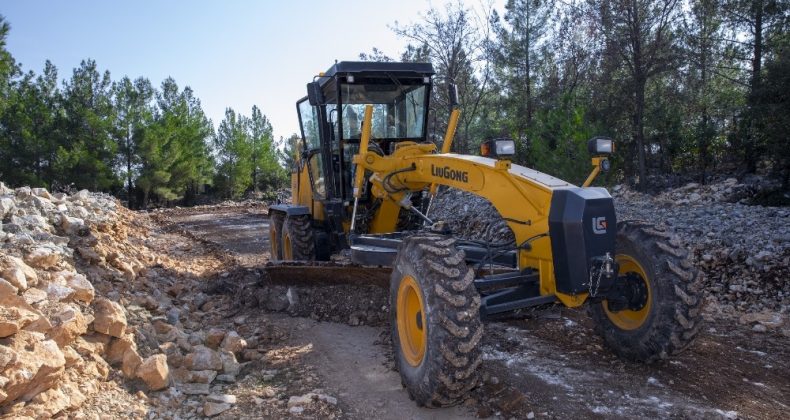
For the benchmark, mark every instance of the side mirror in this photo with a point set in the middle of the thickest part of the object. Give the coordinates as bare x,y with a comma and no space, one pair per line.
314,94
452,94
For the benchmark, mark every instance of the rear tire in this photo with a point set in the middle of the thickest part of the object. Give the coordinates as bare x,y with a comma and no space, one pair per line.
437,346
275,232
297,240
671,318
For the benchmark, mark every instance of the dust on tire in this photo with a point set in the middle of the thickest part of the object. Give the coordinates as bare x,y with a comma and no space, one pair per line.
448,370
300,232
675,317
275,235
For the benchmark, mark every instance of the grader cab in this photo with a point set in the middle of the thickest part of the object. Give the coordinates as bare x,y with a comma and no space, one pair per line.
365,185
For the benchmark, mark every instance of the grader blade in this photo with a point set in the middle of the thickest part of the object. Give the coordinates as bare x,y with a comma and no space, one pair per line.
304,273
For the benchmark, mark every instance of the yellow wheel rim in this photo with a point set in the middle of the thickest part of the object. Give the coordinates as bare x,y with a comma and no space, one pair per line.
273,240
287,251
410,313
628,319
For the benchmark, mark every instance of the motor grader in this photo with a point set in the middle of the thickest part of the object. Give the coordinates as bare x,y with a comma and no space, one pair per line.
364,185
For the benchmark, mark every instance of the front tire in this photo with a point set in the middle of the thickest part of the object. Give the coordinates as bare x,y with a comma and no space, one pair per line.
275,232
435,321
297,239
670,318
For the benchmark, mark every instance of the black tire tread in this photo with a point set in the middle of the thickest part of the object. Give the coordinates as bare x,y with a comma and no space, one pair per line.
449,370
675,318
276,219
300,230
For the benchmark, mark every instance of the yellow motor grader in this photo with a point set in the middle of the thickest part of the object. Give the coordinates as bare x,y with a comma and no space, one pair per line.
364,185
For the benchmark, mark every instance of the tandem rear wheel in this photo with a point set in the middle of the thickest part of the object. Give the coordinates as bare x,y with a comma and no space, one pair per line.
664,315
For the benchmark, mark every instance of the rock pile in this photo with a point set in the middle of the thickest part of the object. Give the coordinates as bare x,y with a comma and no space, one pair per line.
89,302
53,328
743,249
470,216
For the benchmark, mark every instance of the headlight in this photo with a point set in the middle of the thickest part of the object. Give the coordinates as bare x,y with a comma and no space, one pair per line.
600,146
498,149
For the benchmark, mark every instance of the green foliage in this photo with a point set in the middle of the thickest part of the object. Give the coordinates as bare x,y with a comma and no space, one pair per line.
559,141
87,153
125,137
288,150
684,88
8,67
174,151
773,111
267,174
247,158
234,156
135,113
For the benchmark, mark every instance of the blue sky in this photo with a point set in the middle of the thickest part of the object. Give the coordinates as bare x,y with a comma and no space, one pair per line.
232,53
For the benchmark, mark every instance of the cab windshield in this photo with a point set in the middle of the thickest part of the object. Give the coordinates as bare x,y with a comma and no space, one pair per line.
398,109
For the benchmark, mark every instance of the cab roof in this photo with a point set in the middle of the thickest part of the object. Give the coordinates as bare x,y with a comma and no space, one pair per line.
369,68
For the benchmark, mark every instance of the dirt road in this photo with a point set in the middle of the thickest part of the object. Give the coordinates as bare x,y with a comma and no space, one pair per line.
548,365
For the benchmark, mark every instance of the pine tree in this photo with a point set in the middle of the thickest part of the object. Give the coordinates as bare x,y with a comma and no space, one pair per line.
134,112
234,155
87,156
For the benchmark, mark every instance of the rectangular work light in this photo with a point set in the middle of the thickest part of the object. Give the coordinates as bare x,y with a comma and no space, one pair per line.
600,146
498,148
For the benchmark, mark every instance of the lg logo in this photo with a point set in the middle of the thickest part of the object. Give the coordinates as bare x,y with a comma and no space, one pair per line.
599,225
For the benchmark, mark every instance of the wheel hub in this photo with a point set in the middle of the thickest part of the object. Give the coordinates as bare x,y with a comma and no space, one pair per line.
410,316
628,304
630,292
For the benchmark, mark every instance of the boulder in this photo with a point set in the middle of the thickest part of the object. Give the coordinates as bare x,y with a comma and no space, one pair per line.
16,277
233,343
69,324
154,372
89,254
7,206
11,268
7,289
92,344
72,225
131,361
222,398
203,358
59,293
83,289
82,195
214,338
118,347
71,356
43,257
211,409
202,376
33,296
41,192
41,325
10,321
194,389
15,313
36,365
110,318
49,403
230,366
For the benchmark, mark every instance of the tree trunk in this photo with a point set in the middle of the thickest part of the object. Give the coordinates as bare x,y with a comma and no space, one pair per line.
757,60
639,129
703,135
